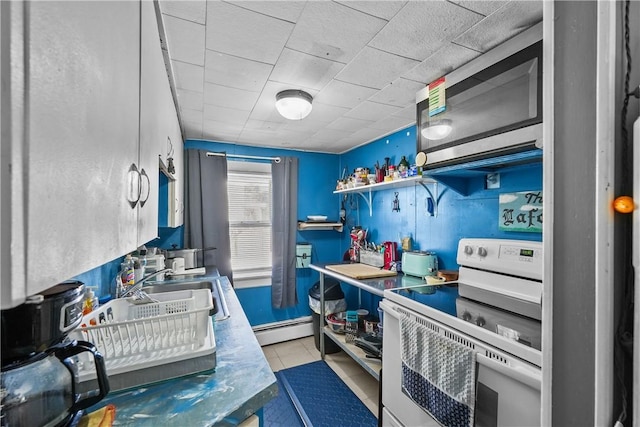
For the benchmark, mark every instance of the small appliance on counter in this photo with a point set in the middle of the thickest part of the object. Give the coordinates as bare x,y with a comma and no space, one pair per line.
420,264
390,254
35,347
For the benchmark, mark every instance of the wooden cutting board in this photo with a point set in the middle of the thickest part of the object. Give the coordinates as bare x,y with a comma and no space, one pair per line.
360,271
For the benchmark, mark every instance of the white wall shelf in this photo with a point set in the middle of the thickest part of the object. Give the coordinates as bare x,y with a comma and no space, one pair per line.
398,183
307,226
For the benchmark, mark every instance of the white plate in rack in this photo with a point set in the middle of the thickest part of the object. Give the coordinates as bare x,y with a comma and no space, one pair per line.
317,217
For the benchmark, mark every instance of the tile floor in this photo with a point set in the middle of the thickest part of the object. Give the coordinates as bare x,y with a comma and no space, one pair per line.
298,352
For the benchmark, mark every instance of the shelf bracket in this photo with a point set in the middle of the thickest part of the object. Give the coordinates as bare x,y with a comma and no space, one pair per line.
431,195
368,202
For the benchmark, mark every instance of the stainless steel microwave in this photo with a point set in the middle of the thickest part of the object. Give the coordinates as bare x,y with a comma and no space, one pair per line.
493,105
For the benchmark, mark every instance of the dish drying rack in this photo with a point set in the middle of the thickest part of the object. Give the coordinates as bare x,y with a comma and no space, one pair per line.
137,337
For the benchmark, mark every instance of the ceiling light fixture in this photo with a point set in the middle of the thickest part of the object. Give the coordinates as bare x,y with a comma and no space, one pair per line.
437,130
293,104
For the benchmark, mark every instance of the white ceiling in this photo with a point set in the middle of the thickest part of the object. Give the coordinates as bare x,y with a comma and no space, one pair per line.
362,61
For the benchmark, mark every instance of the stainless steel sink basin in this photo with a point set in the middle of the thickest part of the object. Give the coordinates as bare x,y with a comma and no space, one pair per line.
220,309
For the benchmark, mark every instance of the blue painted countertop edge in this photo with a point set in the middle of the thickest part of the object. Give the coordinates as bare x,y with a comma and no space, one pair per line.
242,382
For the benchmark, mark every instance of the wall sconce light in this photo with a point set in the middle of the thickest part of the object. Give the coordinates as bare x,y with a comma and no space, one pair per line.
437,130
293,104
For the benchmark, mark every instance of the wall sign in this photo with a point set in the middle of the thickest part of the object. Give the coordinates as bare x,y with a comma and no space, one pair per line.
436,97
521,211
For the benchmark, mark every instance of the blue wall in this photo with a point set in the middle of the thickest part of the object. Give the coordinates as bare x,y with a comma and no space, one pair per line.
473,215
317,177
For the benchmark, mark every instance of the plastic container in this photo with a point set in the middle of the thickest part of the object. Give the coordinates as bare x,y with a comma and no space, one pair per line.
334,303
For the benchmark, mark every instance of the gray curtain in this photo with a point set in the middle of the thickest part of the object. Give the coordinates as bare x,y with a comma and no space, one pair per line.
284,226
207,210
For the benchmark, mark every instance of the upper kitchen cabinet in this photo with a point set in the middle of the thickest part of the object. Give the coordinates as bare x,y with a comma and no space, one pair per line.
74,173
159,125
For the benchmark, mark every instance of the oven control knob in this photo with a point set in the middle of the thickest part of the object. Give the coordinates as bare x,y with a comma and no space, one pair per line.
466,316
482,251
480,321
468,250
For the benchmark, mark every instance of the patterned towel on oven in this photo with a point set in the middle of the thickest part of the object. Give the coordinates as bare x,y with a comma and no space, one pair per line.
437,373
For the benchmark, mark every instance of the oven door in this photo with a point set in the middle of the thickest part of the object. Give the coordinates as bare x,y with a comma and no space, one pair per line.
507,392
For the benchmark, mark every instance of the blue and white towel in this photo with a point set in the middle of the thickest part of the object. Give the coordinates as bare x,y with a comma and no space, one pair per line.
438,373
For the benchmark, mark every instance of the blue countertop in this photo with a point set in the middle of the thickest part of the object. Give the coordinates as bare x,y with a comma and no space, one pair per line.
241,384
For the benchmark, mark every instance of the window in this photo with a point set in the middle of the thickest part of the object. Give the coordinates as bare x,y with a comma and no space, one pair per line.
249,189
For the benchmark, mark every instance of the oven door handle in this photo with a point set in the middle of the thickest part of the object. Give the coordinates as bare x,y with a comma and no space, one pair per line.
518,373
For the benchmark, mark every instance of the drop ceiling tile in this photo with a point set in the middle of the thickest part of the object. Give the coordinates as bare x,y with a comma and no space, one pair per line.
401,92
209,125
348,124
381,9
241,32
407,112
229,97
286,10
232,71
448,58
485,7
422,27
298,69
392,123
263,125
185,40
367,135
372,111
375,68
506,22
193,116
330,135
192,130
333,31
188,76
191,10
189,99
211,131
227,115
344,94
326,113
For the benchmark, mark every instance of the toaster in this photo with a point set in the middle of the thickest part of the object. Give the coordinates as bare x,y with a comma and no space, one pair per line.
419,263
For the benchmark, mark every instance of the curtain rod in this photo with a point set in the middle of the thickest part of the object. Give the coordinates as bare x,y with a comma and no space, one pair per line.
241,156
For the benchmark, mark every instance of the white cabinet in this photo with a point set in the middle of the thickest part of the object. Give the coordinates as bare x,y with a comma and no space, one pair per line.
73,161
159,126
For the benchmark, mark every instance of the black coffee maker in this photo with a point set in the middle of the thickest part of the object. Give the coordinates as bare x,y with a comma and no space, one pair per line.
38,380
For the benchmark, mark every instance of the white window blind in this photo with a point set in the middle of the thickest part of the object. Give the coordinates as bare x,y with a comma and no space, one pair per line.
249,191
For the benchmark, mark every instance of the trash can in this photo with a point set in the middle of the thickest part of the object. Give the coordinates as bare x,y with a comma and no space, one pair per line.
334,302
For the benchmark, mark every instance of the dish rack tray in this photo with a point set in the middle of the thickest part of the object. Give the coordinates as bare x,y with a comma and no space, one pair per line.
121,329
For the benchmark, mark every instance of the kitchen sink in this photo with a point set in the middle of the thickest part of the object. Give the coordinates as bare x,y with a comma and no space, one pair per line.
220,310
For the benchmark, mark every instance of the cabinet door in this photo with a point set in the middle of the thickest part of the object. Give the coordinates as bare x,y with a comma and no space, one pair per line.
176,193
154,127
81,136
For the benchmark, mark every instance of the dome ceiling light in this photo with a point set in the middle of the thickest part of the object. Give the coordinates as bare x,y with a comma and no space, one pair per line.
293,104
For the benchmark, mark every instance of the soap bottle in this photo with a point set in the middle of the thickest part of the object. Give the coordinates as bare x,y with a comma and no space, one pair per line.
90,302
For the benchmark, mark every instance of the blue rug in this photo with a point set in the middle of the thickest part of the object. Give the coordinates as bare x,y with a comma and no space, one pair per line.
322,399
279,411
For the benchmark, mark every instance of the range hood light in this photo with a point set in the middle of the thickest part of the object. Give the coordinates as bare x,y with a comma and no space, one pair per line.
293,104
438,130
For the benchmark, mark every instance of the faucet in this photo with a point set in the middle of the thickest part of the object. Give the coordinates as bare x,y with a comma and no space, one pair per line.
137,286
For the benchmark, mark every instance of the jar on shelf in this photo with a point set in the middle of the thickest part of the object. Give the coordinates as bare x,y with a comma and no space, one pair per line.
403,166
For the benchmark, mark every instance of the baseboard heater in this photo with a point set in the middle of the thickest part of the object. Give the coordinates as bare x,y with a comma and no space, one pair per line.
271,333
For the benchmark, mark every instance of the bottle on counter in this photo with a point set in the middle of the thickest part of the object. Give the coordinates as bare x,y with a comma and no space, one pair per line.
90,302
127,273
